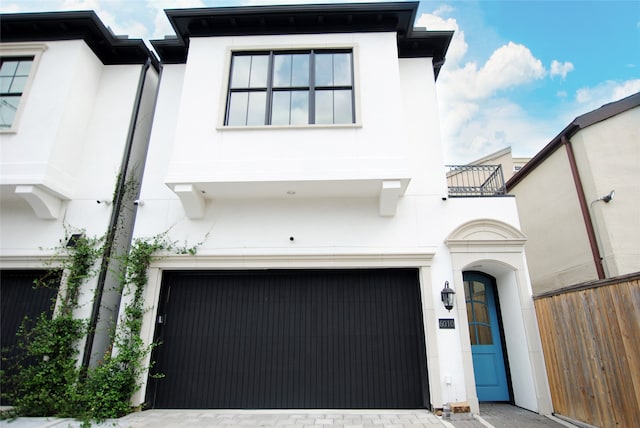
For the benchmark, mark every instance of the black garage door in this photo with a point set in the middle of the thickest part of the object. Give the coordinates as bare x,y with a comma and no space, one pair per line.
290,339
20,299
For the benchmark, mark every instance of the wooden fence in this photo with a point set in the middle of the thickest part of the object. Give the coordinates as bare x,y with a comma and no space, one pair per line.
591,341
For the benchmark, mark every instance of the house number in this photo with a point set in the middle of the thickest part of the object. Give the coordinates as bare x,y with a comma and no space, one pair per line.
447,323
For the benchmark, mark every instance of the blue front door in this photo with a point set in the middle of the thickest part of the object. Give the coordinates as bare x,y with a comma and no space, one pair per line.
484,333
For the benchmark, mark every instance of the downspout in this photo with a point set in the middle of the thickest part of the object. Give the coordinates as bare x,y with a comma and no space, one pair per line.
113,222
584,208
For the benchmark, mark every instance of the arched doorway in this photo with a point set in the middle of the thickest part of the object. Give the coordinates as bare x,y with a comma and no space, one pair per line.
485,337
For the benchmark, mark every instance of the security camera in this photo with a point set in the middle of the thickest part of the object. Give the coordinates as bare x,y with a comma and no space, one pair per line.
138,202
291,238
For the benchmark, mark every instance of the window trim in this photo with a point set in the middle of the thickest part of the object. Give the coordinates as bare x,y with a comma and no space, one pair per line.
226,83
22,50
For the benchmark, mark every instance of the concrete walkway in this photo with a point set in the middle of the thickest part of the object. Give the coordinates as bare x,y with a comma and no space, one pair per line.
492,416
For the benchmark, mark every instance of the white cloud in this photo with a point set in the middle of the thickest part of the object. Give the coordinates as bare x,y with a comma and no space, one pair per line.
476,120
560,69
588,99
161,25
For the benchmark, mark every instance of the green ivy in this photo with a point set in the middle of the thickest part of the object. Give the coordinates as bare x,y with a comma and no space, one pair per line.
46,370
50,382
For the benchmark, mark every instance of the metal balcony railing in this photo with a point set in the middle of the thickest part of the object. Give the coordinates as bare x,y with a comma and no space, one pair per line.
475,180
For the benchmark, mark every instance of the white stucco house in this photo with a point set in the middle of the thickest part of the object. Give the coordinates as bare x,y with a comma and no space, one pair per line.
76,105
300,146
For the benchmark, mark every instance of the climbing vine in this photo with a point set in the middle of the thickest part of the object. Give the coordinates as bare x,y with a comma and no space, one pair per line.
45,372
49,381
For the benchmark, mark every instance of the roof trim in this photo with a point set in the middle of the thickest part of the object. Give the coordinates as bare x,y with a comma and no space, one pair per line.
304,19
78,25
603,113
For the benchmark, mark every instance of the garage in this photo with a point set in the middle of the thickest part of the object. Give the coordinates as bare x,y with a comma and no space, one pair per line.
22,302
290,339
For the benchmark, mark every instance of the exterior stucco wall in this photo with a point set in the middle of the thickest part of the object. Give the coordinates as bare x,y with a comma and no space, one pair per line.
293,153
608,157
397,130
558,251
71,137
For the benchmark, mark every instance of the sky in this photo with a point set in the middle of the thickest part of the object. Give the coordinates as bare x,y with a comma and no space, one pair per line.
517,71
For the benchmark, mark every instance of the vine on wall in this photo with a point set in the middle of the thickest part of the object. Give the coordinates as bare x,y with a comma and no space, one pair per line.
49,381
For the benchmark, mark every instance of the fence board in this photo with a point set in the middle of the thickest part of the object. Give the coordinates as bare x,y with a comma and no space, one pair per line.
591,342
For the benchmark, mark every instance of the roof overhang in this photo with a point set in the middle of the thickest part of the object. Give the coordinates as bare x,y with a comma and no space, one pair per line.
81,25
598,115
304,19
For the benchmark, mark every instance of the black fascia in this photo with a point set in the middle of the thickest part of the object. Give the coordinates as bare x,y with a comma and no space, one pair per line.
80,25
303,19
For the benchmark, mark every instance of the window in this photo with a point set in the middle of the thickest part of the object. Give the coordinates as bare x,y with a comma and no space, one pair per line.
291,88
14,73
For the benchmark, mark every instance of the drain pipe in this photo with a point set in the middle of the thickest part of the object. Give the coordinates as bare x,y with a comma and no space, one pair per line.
113,223
584,208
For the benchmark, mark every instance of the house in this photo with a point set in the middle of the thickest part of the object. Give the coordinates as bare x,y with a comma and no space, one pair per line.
75,115
578,204
578,199
299,148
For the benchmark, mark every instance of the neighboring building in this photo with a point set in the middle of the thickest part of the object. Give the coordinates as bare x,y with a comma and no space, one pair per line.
510,165
75,116
301,146
577,230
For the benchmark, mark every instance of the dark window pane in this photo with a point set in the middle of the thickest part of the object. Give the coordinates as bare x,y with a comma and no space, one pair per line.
484,335
481,312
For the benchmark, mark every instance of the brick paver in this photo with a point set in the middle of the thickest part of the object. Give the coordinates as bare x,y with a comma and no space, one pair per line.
494,415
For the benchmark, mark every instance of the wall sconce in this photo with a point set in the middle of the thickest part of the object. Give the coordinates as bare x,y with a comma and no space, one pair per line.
607,198
447,296
73,240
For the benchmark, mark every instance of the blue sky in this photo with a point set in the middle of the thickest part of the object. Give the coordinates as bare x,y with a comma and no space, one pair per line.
517,71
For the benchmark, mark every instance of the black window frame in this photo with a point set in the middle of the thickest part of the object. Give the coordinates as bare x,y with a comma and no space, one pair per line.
270,89
20,94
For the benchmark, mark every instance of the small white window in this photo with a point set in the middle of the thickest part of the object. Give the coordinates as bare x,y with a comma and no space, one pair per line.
14,73
18,65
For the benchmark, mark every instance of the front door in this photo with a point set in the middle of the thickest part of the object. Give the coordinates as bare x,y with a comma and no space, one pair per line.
484,333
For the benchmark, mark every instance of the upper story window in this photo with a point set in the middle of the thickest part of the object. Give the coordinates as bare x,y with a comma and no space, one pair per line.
291,88
14,74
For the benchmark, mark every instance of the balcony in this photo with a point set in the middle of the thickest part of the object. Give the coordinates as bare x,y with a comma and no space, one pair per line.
475,180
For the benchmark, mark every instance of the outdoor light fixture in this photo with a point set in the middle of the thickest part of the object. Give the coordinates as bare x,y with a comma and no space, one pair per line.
73,240
447,296
609,197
